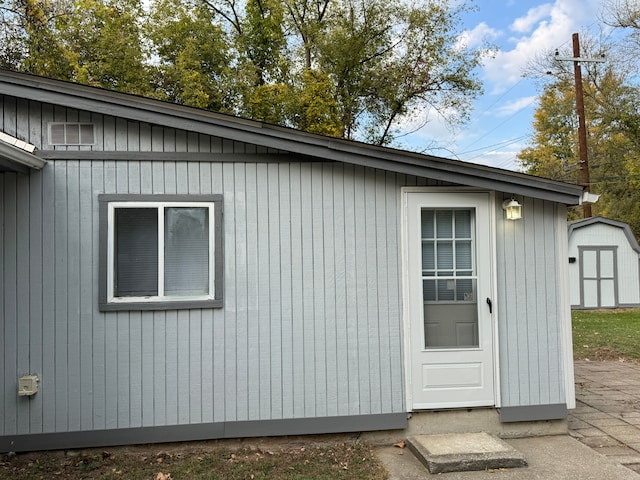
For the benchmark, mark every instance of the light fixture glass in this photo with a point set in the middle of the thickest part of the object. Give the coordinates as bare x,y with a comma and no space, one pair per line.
513,210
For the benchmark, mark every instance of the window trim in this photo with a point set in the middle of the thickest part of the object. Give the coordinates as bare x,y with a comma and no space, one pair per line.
107,205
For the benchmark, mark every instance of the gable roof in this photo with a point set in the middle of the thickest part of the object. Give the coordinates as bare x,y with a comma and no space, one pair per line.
310,145
633,242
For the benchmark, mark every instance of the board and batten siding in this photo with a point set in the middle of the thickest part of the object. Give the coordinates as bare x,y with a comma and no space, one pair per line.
531,307
29,120
311,325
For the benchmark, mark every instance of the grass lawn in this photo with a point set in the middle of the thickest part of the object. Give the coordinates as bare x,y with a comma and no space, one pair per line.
606,334
186,461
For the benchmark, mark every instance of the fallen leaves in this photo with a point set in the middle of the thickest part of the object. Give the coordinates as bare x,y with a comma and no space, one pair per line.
162,476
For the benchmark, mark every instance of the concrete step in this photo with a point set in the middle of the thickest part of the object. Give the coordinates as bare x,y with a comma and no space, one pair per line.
460,452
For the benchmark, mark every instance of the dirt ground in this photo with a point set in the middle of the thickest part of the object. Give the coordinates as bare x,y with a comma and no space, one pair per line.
317,457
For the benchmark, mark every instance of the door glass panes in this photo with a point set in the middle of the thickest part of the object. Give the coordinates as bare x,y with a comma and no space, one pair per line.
449,280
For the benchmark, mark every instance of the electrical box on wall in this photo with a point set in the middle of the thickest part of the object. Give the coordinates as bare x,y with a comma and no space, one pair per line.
28,385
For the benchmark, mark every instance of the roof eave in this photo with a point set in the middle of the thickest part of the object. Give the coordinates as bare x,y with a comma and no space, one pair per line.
18,160
286,139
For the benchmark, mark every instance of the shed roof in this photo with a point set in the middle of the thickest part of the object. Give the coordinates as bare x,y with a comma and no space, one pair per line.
585,222
272,136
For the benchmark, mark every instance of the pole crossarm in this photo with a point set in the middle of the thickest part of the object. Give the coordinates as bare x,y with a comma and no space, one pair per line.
580,59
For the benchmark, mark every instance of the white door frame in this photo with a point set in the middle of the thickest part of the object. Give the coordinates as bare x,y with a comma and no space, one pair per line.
408,358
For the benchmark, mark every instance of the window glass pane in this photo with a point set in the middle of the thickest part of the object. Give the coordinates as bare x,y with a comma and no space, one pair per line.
186,251
446,289
463,223
444,223
445,255
136,252
463,255
429,290
428,258
427,223
465,290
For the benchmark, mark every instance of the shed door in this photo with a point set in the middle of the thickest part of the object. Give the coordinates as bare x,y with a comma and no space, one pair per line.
598,273
450,327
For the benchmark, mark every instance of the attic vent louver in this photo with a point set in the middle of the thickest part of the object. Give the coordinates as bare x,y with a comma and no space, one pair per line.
71,133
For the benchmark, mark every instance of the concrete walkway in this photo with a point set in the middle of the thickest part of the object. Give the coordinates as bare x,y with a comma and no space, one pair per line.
607,417
606,421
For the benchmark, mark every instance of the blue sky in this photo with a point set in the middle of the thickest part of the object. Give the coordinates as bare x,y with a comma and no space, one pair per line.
501,121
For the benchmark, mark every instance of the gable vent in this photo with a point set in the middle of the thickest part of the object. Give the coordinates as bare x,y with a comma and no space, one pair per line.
71,134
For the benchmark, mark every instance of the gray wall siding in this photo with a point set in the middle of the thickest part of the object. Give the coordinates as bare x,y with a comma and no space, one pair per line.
311,324
530,309
29,120
312,321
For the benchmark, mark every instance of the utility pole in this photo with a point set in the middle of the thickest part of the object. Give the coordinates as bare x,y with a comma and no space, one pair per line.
582,124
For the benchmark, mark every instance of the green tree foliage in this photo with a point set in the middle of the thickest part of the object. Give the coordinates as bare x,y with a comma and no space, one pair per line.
102,43
192,55
347,68
88,41
30,39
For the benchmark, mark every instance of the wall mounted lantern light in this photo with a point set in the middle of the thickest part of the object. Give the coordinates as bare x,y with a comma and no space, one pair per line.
512,209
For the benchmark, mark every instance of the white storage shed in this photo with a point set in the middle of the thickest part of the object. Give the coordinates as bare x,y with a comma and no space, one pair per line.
604,264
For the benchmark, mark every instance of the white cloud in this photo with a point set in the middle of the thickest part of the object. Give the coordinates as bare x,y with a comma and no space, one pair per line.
533,16
478,36
515,106
555,24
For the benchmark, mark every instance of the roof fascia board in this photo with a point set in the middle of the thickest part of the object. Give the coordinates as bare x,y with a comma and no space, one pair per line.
249,131
467,180
172,156
17,156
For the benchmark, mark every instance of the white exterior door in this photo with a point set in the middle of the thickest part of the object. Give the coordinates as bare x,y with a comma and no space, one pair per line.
450,299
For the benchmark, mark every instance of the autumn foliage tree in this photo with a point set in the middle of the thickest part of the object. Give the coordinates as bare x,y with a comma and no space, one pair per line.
612,115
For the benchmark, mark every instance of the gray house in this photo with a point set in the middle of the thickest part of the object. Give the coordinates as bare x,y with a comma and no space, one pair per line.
173,274
604,264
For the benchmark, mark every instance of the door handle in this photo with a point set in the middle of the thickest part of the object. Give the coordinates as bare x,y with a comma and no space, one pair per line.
490,305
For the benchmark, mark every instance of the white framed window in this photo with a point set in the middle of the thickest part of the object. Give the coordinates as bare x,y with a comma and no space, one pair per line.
160,252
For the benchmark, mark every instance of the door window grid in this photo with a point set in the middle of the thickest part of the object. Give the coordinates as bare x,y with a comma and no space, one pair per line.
448,255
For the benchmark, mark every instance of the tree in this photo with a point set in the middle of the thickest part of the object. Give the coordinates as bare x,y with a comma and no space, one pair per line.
384,59
349,68
625,15
87,41
103,45
192,55
29,37
388,59
613,123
